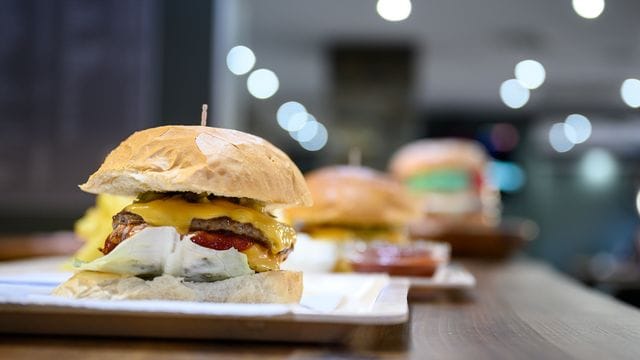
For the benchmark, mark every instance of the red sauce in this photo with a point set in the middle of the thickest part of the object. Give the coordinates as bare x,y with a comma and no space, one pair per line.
477,180
395,260
222,240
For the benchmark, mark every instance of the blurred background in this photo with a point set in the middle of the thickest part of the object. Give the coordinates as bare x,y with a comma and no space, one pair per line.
549,87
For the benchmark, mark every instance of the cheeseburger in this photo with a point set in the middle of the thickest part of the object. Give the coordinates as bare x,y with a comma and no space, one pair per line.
354,203
358,222
200,227
447,178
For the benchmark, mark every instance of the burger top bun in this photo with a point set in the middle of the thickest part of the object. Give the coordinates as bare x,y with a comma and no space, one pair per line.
201,159
425,155
353,195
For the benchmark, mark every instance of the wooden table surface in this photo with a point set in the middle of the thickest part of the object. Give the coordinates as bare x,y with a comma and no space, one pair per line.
520,310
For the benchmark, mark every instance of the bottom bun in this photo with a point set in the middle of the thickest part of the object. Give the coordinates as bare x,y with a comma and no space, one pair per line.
273,287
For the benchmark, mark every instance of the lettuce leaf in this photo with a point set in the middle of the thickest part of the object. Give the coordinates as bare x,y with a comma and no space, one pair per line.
161,250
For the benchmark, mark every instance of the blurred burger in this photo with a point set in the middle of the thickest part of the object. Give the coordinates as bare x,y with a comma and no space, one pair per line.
447,178
354,203
351,205
200,227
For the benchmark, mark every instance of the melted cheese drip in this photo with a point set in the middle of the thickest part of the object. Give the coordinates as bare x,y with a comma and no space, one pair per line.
260,259
179,213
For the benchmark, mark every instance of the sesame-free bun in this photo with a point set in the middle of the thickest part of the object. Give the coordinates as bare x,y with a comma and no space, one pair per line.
201,159
426,155
272,287
354,195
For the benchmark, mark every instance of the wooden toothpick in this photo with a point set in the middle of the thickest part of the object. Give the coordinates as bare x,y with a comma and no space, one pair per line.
203,117
355,156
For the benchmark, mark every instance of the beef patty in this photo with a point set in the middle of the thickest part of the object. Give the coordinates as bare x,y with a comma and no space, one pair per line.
126,224
227,224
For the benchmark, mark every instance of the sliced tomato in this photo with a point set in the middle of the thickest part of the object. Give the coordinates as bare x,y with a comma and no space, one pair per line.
478,180
222,240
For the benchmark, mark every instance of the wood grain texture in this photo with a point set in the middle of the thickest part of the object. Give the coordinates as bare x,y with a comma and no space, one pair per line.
14,247
520,310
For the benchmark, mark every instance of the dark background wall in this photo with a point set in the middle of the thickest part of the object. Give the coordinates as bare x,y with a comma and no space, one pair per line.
186,59
76,77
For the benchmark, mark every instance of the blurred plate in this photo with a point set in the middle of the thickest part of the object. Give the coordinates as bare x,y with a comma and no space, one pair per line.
482,241
318,256
449,277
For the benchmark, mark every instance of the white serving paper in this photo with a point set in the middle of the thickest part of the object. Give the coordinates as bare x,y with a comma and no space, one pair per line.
312,256
325,296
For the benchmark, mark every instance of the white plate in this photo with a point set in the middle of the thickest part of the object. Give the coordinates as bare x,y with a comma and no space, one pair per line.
319,256
449,277
332,306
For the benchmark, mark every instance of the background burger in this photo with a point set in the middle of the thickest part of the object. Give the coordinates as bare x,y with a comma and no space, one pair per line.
200,227
358,222
447,179
354,203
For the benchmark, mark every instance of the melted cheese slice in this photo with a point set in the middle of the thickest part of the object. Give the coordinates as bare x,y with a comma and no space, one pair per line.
260,259
179,213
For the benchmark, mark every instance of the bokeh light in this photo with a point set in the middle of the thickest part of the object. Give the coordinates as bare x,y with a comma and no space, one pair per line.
504,137
530,74
630,92
638,202
394,10
603,265
513,94
308,130
262,83
598,167
291,116
298,121
558,138
506,176
318,141
588,9
240,60
577,128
